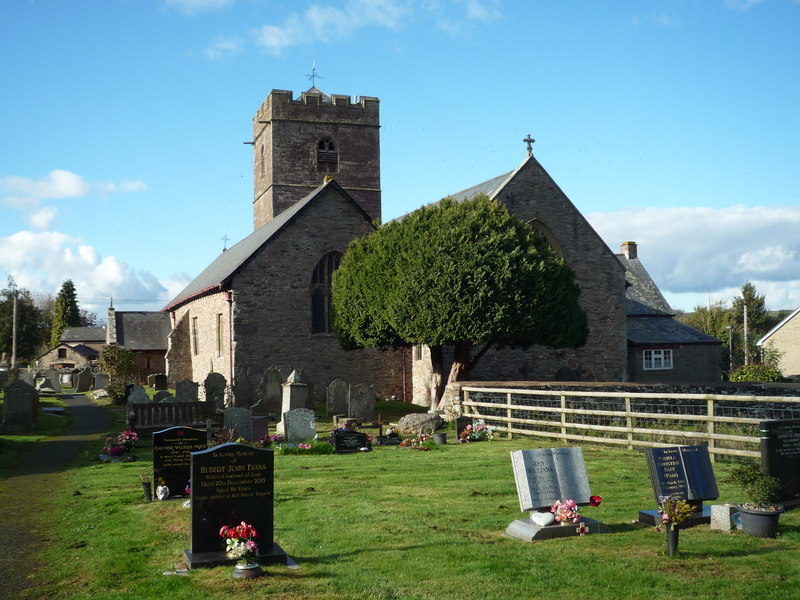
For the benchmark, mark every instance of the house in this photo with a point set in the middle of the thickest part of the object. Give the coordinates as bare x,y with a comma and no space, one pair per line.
145,333
78,348
785,339
661,349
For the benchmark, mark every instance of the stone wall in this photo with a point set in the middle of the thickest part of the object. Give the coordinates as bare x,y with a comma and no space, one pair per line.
76,359
691,363
787,340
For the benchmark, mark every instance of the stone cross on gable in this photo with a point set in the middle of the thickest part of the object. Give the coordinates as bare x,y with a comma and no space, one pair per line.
529,140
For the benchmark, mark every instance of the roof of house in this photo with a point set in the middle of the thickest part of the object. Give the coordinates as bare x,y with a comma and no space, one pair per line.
641,286
86,351
217,275
772,331
143,330
651,326
72,335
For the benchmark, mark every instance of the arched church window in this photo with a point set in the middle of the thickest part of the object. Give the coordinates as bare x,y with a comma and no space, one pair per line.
321,300
327,156
543,233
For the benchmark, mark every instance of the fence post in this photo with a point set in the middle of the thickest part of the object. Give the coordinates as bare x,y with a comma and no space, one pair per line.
508,414
563,418
711,430
629,422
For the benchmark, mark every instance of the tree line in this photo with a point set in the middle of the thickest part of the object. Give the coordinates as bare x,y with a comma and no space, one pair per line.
40,320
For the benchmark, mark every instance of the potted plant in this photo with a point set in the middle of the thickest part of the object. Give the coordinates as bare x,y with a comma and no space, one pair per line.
240,544
758,517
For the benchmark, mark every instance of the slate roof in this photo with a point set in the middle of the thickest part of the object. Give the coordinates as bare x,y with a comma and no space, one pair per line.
488,187
664,329
85,351
143,330
218,274
73,335
642,288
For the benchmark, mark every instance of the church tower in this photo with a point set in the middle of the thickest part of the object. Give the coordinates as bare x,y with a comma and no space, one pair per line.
297,143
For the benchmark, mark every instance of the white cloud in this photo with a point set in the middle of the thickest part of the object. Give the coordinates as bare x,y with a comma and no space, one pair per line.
57,184
192,7
694,252
42,218
224,47
42,261
741,5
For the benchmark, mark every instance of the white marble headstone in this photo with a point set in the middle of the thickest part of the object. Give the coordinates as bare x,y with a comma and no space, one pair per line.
546,475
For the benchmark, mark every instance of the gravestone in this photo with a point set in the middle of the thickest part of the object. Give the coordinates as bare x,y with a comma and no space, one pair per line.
303,378
780,456
299,425
543,477
685,473
83,381
138,395
151,380
172,450
336,398
231,483
238,419
100,381
186,391
164,396
244,395
346,442
28,377
51,381
270,393
362,402
20,407
160,381
214,387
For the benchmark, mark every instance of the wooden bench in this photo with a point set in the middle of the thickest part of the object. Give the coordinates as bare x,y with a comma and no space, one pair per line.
150,417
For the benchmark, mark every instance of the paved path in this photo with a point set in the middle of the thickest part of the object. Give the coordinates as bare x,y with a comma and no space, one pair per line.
24,493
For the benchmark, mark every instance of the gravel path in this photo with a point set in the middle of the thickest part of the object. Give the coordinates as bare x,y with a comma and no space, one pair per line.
24,493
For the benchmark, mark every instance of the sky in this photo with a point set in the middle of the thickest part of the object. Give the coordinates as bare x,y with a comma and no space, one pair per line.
671,123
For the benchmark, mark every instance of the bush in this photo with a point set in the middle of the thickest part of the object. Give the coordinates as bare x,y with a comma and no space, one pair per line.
759,488
756,373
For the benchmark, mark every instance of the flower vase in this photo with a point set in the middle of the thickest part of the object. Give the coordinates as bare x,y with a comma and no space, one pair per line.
672,540
247,571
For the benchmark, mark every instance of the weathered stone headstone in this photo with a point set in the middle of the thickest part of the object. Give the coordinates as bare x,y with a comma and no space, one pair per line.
362,402
164,396
151,380
160,381
51,381
685,473
294,393
244,394
543,477
303,378
417,423
83,381
172,450
238,419
100,381
299,425
231,483
214,387
336,397
186,391
20,407
346,442
270,393
138,395
780,456
27,376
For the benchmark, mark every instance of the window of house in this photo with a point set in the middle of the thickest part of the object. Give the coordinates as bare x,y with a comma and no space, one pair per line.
321,300
149,364
194,334
327,156
657,360
219,334
62,353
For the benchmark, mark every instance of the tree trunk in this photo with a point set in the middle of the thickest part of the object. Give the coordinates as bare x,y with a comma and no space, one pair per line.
460,367
437,375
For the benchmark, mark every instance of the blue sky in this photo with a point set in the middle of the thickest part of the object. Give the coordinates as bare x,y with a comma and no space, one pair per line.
671,123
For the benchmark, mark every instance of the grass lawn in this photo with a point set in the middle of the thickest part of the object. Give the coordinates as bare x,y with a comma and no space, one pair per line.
404,524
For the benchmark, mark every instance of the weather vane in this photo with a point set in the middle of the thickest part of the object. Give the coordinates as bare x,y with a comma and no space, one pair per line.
529,140
313,76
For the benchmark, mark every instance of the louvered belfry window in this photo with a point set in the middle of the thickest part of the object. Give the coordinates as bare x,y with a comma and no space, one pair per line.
327,156
321,300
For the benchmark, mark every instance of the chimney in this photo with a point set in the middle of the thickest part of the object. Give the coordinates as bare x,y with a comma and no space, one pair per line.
111,325
629,250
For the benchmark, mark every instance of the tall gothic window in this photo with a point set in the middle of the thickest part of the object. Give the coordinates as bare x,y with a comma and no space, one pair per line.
327,157
321,301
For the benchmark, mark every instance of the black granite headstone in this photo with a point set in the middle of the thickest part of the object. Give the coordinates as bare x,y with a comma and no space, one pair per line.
231,483
350,441
685,473
461,425
780,455
172,459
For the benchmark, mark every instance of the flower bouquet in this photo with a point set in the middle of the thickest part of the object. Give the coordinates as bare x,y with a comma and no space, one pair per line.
240,542
674,513
127,439
567,510
477,432
422,442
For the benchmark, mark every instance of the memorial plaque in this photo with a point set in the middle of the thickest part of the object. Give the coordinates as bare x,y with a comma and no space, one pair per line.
172,449
350,441
550,474
683,472
780,455
231,483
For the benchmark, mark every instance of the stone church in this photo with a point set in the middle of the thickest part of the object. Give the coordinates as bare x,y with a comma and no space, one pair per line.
266,301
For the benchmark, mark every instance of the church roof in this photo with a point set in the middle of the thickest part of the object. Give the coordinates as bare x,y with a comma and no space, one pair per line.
489,187
217,275
142,330
641,286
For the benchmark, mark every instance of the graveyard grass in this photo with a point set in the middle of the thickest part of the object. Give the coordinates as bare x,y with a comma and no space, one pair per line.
405,525
13,446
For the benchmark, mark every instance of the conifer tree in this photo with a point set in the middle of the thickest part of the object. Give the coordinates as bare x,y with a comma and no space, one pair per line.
65,312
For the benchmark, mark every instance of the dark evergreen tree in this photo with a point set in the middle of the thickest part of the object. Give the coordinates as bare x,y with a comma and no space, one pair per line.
65,312
460,275
31,323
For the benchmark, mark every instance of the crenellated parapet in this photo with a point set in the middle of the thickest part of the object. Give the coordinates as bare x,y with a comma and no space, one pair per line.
281,104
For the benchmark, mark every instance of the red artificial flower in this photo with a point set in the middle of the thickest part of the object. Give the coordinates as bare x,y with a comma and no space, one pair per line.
595,500
223,531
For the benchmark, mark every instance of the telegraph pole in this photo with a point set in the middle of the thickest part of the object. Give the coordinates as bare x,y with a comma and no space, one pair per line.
14,328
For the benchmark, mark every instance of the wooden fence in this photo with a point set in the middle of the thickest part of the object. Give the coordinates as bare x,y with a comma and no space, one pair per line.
728,424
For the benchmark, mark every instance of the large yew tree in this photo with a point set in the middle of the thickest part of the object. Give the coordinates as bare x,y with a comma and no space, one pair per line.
461,275
65,312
